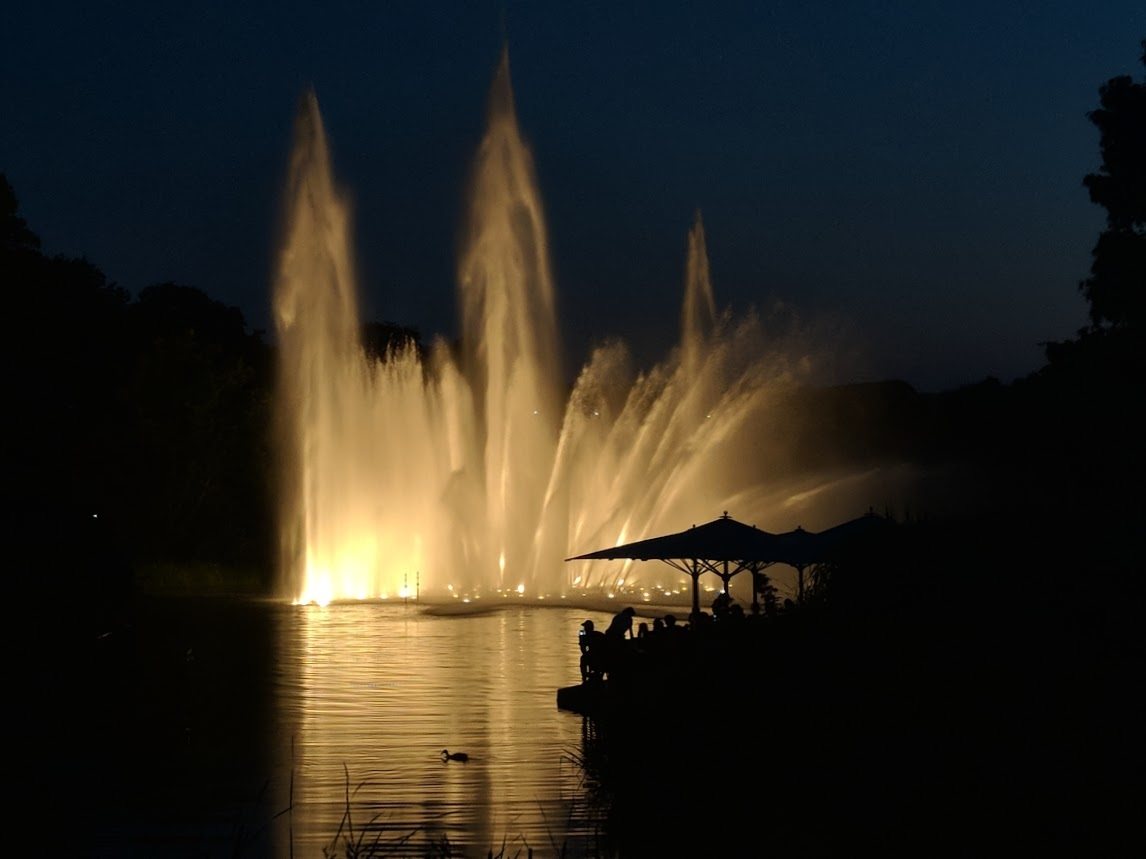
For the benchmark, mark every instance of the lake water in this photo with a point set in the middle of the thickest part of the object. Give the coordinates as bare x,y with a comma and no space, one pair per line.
251,728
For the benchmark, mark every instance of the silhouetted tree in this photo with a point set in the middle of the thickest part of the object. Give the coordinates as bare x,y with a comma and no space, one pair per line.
1084,404
200,390
14,232
1117,283
66,334
149,417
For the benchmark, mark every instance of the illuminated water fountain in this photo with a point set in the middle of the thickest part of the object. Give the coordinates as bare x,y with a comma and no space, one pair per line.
472,475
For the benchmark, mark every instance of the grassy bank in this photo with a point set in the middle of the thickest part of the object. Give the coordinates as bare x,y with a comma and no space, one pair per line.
202,579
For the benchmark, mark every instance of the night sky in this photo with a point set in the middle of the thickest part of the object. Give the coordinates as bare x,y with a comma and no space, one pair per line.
909,172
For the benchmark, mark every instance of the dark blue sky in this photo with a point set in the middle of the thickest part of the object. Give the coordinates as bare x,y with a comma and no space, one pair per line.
911,170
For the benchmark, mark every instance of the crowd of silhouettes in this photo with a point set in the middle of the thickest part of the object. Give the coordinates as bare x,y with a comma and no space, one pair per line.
619,650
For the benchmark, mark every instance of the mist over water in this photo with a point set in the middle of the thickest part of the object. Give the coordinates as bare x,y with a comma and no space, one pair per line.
474,471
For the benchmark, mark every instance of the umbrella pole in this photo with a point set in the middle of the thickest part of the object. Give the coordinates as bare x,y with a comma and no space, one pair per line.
695,591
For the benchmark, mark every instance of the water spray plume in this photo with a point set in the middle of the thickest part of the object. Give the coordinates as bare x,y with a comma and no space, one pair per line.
510,330
472,467
698,315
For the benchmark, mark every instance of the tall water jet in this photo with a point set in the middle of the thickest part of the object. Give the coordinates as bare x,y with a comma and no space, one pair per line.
509,330
465,475
318,337
698,316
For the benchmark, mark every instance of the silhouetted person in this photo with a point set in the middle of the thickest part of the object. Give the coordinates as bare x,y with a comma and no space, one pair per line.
656,641
721,605
621,624
616,652
700,622
592,643
642,639
675,635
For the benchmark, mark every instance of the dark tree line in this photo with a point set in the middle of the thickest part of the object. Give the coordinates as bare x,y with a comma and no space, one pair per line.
139,429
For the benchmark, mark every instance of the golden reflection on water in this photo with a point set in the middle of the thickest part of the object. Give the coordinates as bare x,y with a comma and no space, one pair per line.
372,693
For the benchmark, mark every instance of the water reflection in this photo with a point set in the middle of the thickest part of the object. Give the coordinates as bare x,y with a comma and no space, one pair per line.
370,694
